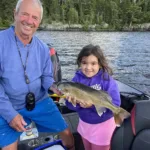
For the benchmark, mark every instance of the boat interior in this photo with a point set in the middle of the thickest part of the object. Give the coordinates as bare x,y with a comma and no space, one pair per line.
134,133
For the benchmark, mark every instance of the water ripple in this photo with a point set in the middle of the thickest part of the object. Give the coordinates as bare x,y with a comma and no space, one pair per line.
127,52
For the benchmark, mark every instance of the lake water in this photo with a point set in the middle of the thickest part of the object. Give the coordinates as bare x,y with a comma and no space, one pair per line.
128,53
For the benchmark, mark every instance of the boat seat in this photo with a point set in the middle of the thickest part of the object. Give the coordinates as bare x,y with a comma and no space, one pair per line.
123,137
134,134
56,64
140,116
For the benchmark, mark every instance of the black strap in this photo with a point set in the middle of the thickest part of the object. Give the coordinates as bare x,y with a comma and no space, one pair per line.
23,65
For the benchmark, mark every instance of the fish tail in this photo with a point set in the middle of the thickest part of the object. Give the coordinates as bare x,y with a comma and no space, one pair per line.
120,116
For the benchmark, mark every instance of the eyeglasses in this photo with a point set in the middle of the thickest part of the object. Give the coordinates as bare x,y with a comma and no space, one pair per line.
30,101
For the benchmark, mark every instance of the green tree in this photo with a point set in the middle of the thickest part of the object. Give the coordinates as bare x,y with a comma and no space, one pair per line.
7,8
116,13
72,16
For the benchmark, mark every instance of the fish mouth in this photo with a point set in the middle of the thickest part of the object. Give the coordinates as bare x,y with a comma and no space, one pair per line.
62,86
57,84
61,91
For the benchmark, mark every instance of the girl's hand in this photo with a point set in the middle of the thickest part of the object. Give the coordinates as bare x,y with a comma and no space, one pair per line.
85,105
82,103
72,100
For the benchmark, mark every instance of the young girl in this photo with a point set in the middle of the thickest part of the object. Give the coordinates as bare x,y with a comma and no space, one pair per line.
96,131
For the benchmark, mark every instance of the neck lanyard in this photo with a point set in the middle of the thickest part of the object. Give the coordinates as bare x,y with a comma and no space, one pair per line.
23,65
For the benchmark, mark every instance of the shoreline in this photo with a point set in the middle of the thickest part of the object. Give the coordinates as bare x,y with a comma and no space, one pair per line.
90,28
79,30
93,28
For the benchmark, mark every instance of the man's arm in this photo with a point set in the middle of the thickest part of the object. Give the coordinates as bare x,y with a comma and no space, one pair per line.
7,112
47,76
14,119
6,109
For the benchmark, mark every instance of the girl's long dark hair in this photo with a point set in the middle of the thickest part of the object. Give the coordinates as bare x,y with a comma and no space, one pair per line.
97,52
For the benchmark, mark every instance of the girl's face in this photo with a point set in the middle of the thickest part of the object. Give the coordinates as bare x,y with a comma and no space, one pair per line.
89,65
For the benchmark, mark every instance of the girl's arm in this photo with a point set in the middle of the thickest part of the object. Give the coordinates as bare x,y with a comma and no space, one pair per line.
112,88
70,106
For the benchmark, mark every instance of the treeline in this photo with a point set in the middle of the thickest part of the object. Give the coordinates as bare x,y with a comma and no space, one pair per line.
112,14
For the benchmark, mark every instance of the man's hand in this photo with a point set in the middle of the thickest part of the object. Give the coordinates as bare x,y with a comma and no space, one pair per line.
18,123
55,90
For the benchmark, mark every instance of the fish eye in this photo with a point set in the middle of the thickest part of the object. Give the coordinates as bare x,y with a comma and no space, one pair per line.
66,90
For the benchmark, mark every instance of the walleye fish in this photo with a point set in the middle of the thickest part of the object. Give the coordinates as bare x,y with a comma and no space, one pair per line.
100,99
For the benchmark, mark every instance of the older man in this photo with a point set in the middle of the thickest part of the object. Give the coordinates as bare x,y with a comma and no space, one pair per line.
25,77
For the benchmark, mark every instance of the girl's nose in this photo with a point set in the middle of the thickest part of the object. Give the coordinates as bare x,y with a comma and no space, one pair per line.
88,66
